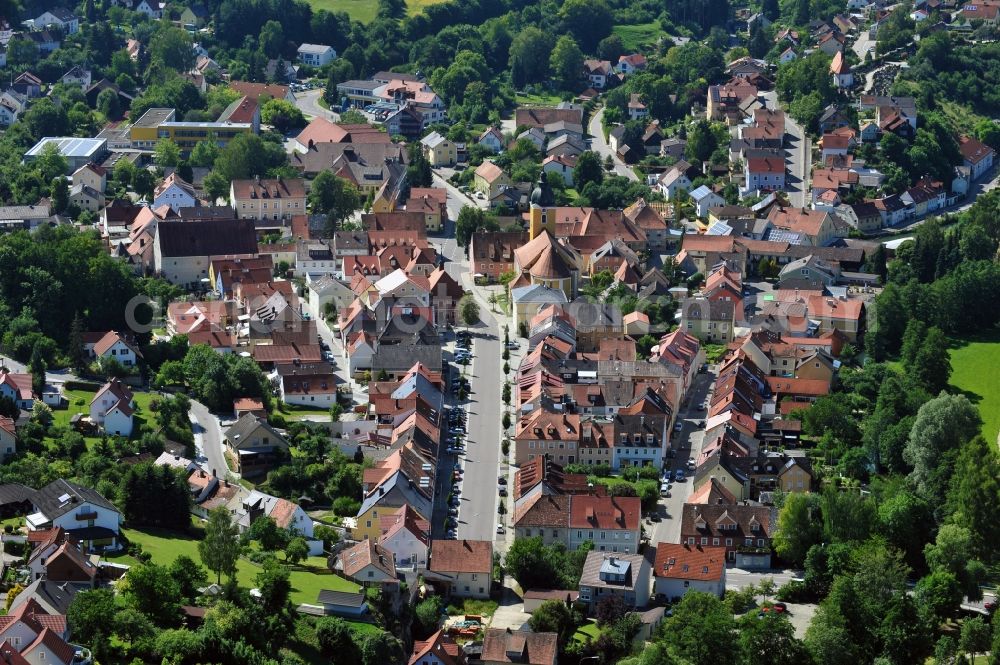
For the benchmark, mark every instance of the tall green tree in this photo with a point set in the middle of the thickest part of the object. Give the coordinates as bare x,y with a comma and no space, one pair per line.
529,56
167,153
941,427
334,197
701,631
799,527
220,548
589,21
565,63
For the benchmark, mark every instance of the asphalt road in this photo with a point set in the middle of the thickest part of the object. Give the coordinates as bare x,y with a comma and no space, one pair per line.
601,147
208,439
477,516
798,156
687,443
308,103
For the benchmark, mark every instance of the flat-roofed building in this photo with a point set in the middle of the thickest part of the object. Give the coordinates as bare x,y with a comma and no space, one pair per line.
76,151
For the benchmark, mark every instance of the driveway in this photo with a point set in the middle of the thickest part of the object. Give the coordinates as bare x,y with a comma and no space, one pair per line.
308,103
601,147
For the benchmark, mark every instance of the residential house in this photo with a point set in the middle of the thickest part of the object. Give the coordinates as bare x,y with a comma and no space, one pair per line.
112,345
627,576
463,567
563,166
32,635
407,536
279,198
637,110
367,563
308,385
672,183
59,560
680,568
492,138
490,179
17,387
253,445
599,73
194,16
745,531
77,76
8,438
438,649
976,156
93,176
501,647
438,150
316,55
113,407
57,17
540,116
28,85
788,55
843,76
709,320
182,250
612,524
492,252
81,512
287,515
764,174
705,199
808,273
631,63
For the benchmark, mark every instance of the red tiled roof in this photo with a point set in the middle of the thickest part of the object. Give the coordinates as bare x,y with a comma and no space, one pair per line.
605,512
685,562
461,556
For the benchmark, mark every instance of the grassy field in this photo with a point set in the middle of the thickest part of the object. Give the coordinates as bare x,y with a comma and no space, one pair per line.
307,578
587,630
537,99
79,402
365,10
634,37
975,365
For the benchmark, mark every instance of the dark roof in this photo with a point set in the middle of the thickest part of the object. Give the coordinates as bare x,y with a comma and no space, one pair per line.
15,493
207,237
401,357
61,496
343,598
56,595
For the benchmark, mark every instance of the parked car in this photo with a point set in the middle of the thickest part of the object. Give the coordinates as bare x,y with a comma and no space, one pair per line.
502,480
500,530
678,426
679,476
503,491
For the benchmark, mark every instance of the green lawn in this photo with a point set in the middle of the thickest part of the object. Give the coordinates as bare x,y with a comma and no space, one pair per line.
975,365
79,402
635,36
587,630
537,99
307,579
365,10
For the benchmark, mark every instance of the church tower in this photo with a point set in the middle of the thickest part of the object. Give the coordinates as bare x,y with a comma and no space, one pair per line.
538,217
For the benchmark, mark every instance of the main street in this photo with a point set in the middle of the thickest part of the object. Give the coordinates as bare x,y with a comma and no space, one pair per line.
799,156
686,443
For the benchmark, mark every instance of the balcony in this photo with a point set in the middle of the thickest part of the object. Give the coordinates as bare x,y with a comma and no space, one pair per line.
85,516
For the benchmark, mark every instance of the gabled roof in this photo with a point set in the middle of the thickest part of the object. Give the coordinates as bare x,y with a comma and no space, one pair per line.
62,496
686,562
111,338
247,425
441,647
500,646
368,553
461,556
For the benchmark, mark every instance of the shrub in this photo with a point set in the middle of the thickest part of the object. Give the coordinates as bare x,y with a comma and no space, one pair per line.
794,592
345,506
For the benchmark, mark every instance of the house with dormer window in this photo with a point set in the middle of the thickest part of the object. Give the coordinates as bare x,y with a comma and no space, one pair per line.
627,576
744,531
680,568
